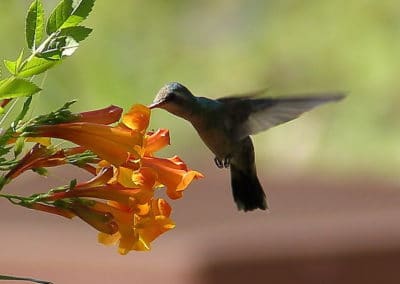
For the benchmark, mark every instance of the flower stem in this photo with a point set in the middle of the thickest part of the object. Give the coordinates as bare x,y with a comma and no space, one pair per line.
7,277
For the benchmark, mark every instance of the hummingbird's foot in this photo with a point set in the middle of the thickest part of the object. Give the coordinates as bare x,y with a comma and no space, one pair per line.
219,163
227,161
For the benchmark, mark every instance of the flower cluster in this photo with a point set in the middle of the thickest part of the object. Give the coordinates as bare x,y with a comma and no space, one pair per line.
119,200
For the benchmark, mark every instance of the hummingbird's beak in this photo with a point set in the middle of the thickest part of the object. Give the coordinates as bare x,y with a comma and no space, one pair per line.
154,105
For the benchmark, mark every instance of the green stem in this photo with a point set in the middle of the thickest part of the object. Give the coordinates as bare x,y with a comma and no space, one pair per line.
24,201
37,50
12,198
7,277
8,112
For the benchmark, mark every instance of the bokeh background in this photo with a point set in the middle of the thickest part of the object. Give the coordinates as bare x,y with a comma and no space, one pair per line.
331,176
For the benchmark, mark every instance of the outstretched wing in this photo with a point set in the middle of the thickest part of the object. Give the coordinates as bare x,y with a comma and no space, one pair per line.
252,115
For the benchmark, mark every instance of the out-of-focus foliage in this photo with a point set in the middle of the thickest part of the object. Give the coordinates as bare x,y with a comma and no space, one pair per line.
231,46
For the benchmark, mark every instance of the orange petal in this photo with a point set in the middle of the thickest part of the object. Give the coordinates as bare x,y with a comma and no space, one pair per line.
38,156
102,221
141,245
127,241
124,177
150,228
106,115
160,206
103,175
137,118
143,209
172,173
145,177
156,141
108,239
110,143
53,210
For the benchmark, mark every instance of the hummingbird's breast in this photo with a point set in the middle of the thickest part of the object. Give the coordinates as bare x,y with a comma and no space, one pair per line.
214,134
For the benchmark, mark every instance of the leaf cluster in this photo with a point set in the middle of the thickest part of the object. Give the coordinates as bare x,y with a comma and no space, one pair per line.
48,42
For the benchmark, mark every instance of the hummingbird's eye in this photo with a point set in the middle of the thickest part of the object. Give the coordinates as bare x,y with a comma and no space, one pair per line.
171,96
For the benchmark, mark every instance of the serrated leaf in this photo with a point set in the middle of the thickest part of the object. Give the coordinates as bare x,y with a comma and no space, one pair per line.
59,15
17,87
11,66
36,66
34,25
19,59
24,110
81,11
70,47
59,47
52,55
53,50
78,33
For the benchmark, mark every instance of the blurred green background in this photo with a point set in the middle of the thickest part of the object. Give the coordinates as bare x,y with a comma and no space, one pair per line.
224,47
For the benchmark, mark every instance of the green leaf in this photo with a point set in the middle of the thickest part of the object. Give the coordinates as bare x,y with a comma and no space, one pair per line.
24,110
36,66
59,47
53,49
17,87
51,55
34,25
82,158
5,150
78,33
59,15
7,134
19,59
13,66
41,171
81,11
71,45
58,116
19,146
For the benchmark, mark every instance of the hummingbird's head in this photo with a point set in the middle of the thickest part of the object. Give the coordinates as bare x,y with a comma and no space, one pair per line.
174,98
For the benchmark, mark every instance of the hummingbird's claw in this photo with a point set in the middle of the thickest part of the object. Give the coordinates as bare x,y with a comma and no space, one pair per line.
227,161
219,163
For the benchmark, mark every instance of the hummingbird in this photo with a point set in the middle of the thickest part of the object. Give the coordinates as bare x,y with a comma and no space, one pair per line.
225,126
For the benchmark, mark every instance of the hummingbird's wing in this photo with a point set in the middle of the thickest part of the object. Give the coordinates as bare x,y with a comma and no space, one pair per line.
252,115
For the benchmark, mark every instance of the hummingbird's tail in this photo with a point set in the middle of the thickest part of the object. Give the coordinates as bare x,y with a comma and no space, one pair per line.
247,190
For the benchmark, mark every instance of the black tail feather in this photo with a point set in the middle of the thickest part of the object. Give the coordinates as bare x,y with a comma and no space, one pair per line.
247,190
